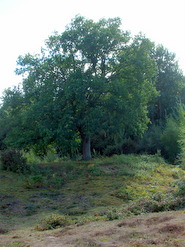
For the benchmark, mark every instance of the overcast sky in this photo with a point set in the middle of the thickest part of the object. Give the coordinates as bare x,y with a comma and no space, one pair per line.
25,24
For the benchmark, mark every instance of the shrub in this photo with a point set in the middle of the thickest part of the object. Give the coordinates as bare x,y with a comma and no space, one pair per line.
3,231
151,205
94,170
151,140
12,160
170,139
31,157
53,221
181,188
112,214
145,206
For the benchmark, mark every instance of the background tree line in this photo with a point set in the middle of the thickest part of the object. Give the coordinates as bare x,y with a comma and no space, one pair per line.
95,88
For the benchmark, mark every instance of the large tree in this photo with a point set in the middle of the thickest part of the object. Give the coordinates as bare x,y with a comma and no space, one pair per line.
91,78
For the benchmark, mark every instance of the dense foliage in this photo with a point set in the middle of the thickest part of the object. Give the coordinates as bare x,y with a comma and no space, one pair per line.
93,87
13,160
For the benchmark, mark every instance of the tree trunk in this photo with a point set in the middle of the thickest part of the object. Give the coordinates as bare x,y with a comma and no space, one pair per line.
86,141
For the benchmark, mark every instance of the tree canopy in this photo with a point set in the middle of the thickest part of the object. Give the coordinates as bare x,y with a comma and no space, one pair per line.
91,79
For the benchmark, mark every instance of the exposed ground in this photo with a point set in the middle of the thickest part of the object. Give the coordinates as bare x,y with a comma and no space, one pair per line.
157,229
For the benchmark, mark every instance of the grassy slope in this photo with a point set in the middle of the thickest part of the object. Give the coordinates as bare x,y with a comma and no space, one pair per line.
104,189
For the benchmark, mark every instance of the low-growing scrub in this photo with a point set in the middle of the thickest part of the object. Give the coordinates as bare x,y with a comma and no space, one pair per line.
53,221
13,160
181,188
33,182
103,189
3,231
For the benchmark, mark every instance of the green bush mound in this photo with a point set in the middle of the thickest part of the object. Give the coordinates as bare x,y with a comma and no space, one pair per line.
53,221
13,160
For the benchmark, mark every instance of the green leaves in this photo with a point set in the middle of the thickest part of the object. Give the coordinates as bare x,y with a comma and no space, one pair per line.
93,78
169,83
135,71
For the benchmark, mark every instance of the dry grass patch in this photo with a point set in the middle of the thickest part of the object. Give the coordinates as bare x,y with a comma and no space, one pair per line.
131,223
172,228
160,229
158,220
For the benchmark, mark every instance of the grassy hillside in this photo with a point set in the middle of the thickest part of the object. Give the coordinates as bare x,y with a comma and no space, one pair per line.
99,191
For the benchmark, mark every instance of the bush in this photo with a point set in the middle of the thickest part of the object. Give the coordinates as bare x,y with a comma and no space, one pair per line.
94,170
181,188
12,160
170,139
3,231
112,214
53,221
151,140
147,206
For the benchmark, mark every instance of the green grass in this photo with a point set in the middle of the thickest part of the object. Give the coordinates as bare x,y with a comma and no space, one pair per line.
101,189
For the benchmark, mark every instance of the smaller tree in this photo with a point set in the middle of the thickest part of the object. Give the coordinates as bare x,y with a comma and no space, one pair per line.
170,139
173,135
181,135
169,84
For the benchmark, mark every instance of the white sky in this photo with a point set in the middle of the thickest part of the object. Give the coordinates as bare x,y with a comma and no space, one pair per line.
25,24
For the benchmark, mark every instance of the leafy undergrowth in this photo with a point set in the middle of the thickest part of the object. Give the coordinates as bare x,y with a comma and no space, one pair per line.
84,193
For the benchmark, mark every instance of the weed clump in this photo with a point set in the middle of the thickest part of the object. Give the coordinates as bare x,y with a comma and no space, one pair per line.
53,221
112,215
12,160
33,182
